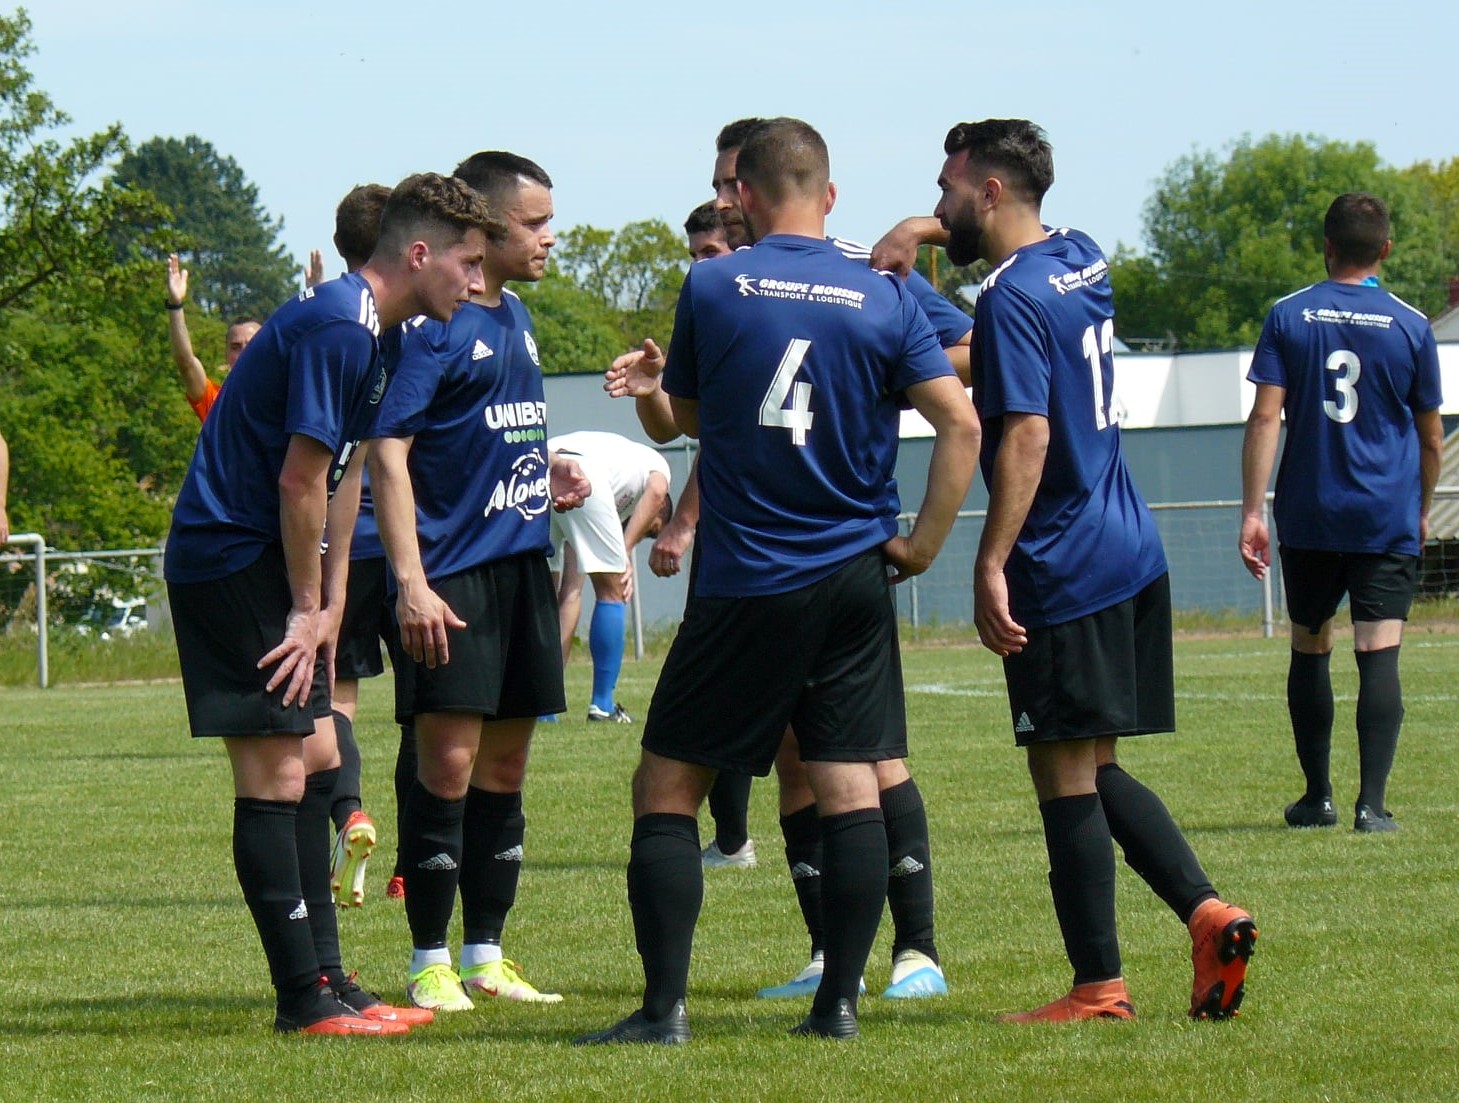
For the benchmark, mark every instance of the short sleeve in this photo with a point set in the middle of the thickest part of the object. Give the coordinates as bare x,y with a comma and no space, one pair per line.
1266,362
681,372
413,384
327,366
1013,356
951,324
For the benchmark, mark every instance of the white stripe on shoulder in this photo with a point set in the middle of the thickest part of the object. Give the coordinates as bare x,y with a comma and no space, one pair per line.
851,250
513,294
1415,309
993,276
1294,294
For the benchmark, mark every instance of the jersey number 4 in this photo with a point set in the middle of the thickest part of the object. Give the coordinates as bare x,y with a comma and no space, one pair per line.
797,416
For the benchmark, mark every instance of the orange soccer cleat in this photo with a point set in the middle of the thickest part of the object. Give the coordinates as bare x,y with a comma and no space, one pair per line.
1101,999
1223,938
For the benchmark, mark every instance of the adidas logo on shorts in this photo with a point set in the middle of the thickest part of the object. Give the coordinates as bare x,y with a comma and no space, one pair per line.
438,862
907,867
300,912
512,855
803,870
1024,724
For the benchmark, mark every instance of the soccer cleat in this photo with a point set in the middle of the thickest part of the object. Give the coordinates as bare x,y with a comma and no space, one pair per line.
438,988
395,890
637,1030
915,976
1310,813
743,858
372,1006
617,716
838,1025
1223,938
1101,999
1373,823
323,1013
503,979
803,983
352,847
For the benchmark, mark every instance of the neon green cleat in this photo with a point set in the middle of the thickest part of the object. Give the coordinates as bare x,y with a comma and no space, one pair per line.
352,848
504,980
438,988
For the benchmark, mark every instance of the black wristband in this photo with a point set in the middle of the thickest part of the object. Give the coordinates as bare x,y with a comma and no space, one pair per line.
171,306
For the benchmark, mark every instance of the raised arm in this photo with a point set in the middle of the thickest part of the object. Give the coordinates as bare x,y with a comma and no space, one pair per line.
4,490
896,251
189,367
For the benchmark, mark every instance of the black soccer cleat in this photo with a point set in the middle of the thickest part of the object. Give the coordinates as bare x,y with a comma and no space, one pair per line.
838,1024
673,1030
1311,813
1369,822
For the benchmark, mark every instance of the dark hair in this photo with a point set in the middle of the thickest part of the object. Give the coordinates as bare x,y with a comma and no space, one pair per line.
357,223
1357,224
441,208
1014,149
703,219
244,322
498,175
733,135
784,157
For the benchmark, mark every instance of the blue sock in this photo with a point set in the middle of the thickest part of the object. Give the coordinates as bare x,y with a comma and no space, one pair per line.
605,643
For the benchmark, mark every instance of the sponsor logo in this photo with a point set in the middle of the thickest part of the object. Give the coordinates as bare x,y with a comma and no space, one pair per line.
531,347
1085,277
518,422
512,855
438,862
801,292
301,911
1023,725
907,867
482,350
1346,318
803,871
526,490
746,285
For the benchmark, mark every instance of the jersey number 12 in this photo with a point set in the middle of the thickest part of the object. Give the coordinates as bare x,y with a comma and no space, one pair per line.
1097,349
796,417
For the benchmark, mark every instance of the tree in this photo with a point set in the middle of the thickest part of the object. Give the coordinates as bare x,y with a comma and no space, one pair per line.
1441,184
56,218
215,222
1226,237
633,274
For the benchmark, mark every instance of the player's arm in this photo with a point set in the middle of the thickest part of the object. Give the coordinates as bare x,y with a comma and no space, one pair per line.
667,555
945,405
302,501
960,356
189,367
1018,468
567,483
686,415
1430,458
648,507
422,615
1258,453
4,489
339,532
636,375
896,251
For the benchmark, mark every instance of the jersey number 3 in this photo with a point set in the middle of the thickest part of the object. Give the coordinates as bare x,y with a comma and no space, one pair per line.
1345,369
796,417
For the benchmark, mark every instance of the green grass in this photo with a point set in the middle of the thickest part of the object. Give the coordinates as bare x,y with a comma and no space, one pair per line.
131,970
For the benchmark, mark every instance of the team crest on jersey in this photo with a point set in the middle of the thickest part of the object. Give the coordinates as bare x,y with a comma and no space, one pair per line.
378,391
531,347
306,294
526,490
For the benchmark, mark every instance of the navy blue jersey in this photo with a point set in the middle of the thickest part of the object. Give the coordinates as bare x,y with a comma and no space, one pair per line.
1043,344
1357,363
314,369
799,358
951,324
366,543
470,393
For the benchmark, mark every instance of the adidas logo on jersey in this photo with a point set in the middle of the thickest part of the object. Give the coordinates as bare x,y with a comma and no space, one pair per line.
438,862
482,350
301,911
512,855
803,870
907,867
1024,725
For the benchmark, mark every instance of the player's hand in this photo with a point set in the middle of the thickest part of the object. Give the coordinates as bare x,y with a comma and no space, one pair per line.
906,561
570,488
666,557
329,623
1255,546
176,280
625,580
295,656
896,251
1423,530
997,630
635,374
424,619
314,273
4,528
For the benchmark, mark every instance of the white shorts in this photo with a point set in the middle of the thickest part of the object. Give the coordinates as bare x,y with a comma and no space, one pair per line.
593,530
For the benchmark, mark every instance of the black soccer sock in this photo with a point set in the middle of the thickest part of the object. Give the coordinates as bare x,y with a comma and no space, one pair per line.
665,893
314,843
430,851
405,771
491,862
802,831
346,798
1309,703
909,879
1154,845
855,845
1082,879
729,804
1380,716
267,864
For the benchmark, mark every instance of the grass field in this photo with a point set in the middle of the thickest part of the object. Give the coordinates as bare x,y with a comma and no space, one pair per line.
131,970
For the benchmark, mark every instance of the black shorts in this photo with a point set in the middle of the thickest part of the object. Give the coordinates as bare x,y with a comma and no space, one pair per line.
823,658
507,662
367,621
1108,673
1379,585
223,627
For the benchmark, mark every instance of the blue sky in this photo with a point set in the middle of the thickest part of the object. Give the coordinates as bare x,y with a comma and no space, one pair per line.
621,102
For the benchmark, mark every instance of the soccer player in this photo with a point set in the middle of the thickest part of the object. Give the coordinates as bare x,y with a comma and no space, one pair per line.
255,606
199,387
788,362
1356,371
916,969
461,483
1070,581
706,233
629,500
